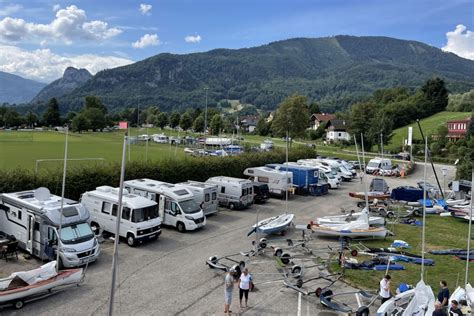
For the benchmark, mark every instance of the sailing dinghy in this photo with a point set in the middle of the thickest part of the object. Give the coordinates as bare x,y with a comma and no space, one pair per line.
25,285
347,218
272,225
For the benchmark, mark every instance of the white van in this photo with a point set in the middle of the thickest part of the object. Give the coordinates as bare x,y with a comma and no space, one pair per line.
316,162
233,192
176,204
33,218
346,175
378,163
278,181
330,177
160,138
140,218
205,195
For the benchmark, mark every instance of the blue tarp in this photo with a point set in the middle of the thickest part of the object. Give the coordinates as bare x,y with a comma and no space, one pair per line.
409,194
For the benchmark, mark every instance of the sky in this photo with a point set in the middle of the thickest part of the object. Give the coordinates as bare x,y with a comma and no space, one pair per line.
40,38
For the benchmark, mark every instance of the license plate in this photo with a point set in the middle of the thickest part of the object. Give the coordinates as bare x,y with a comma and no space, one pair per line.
151,236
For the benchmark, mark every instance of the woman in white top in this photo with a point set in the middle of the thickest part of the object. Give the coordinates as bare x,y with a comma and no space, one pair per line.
244,286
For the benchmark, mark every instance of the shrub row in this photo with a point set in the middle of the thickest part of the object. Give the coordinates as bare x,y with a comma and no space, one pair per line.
86,178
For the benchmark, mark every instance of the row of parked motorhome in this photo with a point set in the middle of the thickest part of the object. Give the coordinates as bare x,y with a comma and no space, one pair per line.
33,217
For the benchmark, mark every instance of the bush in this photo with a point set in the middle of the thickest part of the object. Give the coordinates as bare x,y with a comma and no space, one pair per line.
82,179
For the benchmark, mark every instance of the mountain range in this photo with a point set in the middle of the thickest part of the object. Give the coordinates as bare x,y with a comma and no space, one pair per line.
16,89
334,71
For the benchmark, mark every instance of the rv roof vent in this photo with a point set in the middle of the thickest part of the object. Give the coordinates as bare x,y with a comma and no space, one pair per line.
151,185
141,180
181,192
104,188
168,185
249,170
42,194
117,190
25,196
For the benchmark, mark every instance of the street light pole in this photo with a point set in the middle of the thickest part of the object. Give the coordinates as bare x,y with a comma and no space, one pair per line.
205,112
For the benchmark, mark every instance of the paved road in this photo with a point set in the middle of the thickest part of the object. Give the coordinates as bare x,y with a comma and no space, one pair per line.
169,277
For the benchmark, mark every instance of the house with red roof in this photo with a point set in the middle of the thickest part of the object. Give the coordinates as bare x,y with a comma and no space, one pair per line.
457,129
320,118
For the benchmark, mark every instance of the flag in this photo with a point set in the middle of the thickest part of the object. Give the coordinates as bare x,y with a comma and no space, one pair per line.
123,125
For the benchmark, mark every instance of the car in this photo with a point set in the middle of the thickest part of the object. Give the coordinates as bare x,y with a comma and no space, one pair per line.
402,156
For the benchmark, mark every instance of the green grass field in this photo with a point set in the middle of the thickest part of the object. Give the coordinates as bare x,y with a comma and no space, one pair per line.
441,233
429,126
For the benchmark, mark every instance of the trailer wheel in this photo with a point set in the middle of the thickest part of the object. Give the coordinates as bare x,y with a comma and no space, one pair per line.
416,213
213,260
285,258
362,311
277,252
181,227
299,283
354,252
130,240
296,271
19,304
263,243
390,215
327,293
232,206
360,204
242,265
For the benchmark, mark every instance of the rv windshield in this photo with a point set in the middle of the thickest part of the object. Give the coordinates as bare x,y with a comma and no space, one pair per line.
144,214
373,164
330,175
189,206
75,234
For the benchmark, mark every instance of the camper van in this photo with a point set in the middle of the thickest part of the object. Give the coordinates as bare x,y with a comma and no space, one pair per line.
233,193
279,182
319,163
140,218
345,174
33,218
378,163
176,204
205,195
330,178
160,138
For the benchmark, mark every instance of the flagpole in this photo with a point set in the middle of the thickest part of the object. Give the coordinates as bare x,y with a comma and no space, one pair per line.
63,189
469,233
117,229
424,213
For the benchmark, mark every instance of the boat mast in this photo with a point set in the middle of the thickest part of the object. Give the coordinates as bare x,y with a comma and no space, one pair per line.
365,172
358,157
469,232
117,229
63,188
286,157
424,213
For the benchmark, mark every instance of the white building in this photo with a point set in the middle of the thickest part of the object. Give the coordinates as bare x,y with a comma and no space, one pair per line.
337,130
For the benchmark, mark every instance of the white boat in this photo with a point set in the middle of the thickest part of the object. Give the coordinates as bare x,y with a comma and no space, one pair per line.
354,229
273,224
21,286
460,295
396,304
346,218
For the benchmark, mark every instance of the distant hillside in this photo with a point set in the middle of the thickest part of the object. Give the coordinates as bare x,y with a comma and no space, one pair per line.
16,89
429,126
71,79
336,71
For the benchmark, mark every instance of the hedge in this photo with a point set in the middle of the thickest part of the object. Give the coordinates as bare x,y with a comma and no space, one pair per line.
82,179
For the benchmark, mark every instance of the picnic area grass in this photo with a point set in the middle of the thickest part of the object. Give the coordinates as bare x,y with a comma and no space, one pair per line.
441,233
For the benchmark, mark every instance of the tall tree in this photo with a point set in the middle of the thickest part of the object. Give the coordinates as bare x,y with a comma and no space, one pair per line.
436,96
80,123
216,124
96,118
186,121
161,120
292,117
314,108
361,116
31,119
52,116
262,128
198,124
92,101
174,119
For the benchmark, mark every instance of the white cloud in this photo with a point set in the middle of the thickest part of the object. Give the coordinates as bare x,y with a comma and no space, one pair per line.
460,42
44,65
192,39
70,24
9,9
56,7
145,9
147,40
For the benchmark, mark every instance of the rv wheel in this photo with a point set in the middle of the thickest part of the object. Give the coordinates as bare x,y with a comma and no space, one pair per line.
130,240
19,304
277,252
285,258
362,311
232,206
181,228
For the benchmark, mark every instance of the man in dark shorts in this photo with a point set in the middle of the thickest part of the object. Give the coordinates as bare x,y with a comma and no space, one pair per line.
439,311
443,294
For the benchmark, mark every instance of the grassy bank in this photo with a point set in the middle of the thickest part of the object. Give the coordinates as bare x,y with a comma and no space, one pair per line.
441,233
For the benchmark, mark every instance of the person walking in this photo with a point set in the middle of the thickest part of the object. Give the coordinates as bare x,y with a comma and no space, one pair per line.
244,286
228,289
385,292
443,294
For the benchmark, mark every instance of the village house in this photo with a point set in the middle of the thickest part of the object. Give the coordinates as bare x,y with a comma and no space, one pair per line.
319,118
337,130
457,129
249,123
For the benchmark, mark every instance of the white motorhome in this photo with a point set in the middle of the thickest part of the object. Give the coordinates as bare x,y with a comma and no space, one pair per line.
330,177
317,162
233,192
279,181
33,218
205,195
176,204
378,163
140,219
160,138
346,175
218,141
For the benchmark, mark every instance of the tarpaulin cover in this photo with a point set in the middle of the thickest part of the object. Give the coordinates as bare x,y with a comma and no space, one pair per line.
409,194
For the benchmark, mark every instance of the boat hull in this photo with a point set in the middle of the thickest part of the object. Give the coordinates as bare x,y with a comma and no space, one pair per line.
374,232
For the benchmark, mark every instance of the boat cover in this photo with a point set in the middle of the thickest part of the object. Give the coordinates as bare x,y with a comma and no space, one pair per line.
422,301
362,222
25,278
406,193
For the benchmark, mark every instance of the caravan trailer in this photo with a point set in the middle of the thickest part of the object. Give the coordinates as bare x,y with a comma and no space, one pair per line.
205,195
140,218
176,204
332,179
33,218
279,182
233,193
305,179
